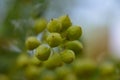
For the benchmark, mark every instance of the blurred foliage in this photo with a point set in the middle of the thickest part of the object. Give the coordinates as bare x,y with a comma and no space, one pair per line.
15,27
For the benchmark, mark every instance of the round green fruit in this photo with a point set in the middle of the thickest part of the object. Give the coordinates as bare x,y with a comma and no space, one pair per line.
67,56
35,61
76,46
42,52
84,67
66,22
32,43
32,72
107,69
22,61
73,33
53,62
62,72
54,39
40,25
54,26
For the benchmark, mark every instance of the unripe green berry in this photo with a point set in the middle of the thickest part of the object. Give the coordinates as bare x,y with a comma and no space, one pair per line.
42,52
32,43
84,67
35,61
54,26
73,32
53,62
31,72
76,46
107,69
62,72
40,25
22,61
67,56
54,39
66,22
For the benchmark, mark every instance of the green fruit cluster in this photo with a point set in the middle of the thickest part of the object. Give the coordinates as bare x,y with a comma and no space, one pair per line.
53,52
60,45
57,54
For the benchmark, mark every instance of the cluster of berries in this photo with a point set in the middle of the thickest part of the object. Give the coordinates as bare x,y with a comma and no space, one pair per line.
60,44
